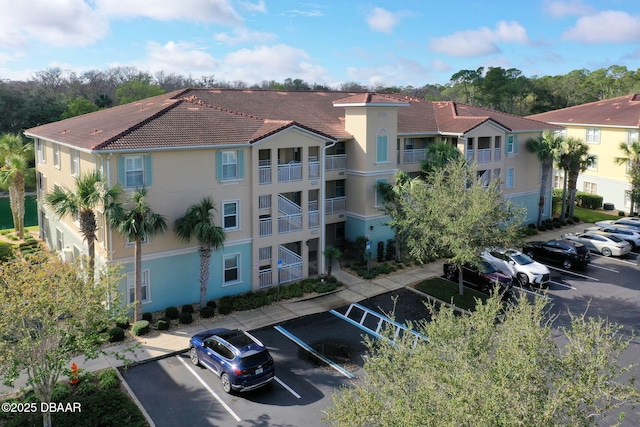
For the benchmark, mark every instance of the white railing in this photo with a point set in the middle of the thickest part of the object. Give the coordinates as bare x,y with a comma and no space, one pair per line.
314,170
289,223
469,155
335,205
288,256
496,154
414,156
314,219
264,172
287,207
265,227
265,278
334,162
484,155
264,201
290,172
290,273
264,254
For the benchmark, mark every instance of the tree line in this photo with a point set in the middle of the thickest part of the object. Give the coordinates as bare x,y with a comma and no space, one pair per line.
55,94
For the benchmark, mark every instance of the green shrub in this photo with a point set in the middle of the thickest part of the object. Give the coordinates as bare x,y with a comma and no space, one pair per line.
163,324
186,318
570,221
148,317
60,392
108,379
85,387
588,200
325,287
212,303
171,312
187,308
557,224
207,311
141,327
226,305
116,334
124,324
621,213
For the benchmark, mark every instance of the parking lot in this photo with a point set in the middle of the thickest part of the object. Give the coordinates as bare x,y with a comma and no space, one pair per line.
175,392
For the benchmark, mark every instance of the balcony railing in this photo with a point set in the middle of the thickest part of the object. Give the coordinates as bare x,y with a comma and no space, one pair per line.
496,154
333,162
335,205
314,170
290,172
264,172
289,223
484,155
469,155
265,227
414,156
265,278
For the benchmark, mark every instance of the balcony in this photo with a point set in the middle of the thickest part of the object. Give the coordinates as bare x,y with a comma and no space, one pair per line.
264,172
290,172
334,162
335,205
484,155
414,156
265,227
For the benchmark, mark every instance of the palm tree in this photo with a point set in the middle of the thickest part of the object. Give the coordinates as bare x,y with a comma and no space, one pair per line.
14,166
546,148
136,221
577,161
631,158
331,253
198,223
562,164
439,155
91,193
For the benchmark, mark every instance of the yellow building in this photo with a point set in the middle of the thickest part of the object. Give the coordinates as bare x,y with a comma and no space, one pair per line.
290,173
603,125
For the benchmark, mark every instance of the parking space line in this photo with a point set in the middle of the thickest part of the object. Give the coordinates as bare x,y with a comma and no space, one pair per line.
562,284
289,389
213,393
305,346
532,292
605,268
573,273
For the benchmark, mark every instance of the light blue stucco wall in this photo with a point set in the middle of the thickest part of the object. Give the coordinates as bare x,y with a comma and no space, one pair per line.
175,280
355,227
530,203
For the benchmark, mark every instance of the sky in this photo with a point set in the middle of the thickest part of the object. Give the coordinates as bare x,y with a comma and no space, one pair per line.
329,42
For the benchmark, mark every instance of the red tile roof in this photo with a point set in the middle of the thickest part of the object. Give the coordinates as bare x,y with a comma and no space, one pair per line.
208,117
621,111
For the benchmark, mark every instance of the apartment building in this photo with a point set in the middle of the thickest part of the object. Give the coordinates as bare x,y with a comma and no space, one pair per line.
290,173
603,125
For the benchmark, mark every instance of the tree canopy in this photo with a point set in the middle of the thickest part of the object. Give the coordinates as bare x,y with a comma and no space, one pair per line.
474,371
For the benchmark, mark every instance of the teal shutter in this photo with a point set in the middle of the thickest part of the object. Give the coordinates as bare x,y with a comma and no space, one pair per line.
148,173
121,179
219,165
240,163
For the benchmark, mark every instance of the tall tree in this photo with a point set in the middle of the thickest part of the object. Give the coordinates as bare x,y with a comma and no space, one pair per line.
474,371
578,160
14,167
137,221
331,253
392,195
546,147
49,314
198,222
631,158
140,87
453,215
91,194
438,155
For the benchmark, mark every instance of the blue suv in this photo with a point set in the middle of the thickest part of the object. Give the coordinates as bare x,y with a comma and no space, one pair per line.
241,361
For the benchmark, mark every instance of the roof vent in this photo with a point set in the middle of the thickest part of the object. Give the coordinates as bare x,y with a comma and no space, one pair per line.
95,131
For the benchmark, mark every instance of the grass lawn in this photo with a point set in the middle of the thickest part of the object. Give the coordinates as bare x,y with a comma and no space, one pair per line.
447,291
589,215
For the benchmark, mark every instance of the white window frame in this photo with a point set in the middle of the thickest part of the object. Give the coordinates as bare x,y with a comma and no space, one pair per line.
145,280
633,136
594,165
378,202
510,178
99,164
510,144
590,187
236,215
75,162
592,135
41,148
237,280
56,155
59,240
129,242
382,146
229,160
134,169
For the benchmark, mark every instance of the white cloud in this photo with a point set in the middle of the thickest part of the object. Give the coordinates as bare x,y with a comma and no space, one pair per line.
559,9
270,63
53,22
175,58
313,13
399,72
606,26
382,20
244,35
479,42
254,7
219,11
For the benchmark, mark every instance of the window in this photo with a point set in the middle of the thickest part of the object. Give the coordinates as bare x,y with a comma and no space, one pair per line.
42,152
510,178
145,287
230,217
382,147
56,155
130,241
59,240
594,165
339,188
134,171
632,136
593,135
409,144
379,200
75,162
100,164
511,144
229,165
590,187
231,269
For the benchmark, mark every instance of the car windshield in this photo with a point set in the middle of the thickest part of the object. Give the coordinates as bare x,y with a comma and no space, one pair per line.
254,359
521,259
487,267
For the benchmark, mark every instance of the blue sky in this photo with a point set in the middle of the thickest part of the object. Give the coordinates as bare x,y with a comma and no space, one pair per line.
402,42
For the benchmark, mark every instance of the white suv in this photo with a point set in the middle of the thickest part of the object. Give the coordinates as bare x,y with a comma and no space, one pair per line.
520,266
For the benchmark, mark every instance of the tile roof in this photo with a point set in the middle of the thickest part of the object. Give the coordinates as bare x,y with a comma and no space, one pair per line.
209,117
620,111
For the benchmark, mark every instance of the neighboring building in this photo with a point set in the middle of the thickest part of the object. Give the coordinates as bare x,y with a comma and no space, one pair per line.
290,172
603,125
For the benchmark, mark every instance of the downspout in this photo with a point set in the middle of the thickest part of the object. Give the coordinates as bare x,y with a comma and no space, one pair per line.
109,234
323,191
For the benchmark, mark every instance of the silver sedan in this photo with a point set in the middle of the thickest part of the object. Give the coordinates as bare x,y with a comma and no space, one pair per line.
600,242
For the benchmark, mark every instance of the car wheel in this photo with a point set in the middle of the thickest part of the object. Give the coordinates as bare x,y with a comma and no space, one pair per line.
226,382
606,251
523,279
193,355
566,264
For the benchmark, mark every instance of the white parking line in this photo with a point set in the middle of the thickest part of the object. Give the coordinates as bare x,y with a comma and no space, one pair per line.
562,284
573,273
532,292
605,268
289,389
213,393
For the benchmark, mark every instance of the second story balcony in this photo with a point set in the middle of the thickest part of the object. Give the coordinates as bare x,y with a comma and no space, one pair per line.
334,162
335,205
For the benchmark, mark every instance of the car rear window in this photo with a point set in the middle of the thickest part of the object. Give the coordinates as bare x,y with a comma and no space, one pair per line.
254,359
